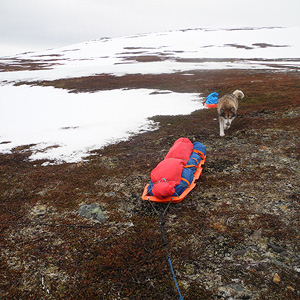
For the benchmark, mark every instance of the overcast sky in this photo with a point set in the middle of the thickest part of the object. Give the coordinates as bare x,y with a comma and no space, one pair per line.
41,24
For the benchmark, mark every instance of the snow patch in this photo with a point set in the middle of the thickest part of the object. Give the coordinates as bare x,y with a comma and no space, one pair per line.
65,126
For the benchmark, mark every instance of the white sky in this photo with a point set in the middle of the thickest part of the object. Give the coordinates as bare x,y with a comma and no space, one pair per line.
41,24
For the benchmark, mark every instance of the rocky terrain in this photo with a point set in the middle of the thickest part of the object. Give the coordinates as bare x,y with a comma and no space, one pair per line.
235,236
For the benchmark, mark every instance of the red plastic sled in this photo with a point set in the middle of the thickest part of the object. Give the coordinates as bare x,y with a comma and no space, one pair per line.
211,105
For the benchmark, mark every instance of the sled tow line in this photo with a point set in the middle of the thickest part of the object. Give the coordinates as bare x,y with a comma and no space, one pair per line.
165,243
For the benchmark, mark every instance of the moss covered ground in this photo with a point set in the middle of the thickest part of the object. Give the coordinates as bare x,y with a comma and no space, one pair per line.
235,236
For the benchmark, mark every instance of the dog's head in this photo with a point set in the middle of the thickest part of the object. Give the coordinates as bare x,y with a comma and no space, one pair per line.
227,115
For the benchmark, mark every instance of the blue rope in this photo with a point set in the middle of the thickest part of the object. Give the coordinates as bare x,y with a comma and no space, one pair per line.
174,278
165,243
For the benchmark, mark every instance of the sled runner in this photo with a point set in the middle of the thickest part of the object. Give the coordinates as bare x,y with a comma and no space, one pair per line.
175,176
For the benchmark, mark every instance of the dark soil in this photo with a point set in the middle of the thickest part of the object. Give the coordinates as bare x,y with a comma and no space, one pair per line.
16,64
235,236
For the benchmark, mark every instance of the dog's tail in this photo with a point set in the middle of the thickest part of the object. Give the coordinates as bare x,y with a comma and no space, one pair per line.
238,94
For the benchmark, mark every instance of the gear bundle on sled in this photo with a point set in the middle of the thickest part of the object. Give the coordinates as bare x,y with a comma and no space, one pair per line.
175,176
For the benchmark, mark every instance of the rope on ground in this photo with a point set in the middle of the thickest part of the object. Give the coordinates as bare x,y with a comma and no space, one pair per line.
165,243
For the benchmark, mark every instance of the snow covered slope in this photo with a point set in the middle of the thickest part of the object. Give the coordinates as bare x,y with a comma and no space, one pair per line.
168,52
64,126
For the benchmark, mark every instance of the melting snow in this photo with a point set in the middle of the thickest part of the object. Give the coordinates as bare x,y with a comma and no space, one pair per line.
65,127
78,123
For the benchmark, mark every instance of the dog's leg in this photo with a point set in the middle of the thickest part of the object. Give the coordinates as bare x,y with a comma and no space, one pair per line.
221,123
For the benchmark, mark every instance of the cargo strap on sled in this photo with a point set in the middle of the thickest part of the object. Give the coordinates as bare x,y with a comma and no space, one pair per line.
165,243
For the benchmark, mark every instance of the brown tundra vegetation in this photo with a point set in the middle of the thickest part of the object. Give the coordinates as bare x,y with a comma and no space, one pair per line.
235,236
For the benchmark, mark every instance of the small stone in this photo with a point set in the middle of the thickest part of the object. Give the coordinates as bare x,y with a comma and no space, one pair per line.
110,194
239,252
38,211
276,248
291,288
236,287
276,278
92,211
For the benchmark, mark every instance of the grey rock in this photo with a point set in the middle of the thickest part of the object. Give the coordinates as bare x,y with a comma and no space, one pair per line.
92,211
236,287
239,252
276,248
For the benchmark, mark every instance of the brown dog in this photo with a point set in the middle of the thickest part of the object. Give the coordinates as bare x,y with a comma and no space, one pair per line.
227,109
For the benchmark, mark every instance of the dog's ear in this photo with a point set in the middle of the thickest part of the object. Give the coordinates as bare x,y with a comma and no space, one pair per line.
222,112
233,110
